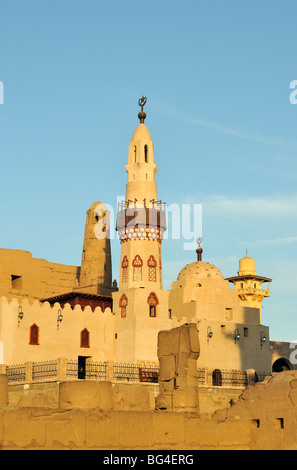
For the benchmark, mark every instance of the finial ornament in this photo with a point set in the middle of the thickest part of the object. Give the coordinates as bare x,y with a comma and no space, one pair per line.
142,101
199,241
199,250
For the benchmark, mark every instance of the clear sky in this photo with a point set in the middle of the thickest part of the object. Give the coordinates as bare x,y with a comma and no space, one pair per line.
217,77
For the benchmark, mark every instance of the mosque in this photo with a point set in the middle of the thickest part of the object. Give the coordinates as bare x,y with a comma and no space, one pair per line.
49,310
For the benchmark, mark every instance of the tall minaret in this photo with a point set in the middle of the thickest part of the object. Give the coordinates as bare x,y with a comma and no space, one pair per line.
140,305
141,217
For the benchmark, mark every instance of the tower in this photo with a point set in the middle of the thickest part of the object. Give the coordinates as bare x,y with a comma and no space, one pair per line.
249,285
141,217
140,305
96,273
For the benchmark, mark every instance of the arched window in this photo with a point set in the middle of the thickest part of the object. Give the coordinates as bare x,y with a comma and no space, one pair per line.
152,265
146,153
34,334
123,306
84,338
137,268
153,301
125,269
135,153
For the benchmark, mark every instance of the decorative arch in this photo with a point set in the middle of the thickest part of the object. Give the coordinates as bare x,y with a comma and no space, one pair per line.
123,305
152,301
152,271
85,338
137,268
34,335
125,264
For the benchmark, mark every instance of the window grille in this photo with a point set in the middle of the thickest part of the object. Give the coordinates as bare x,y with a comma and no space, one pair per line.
137,269
152,264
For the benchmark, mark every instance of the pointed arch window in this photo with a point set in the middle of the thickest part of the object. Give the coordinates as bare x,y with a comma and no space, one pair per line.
152,301
152,271
125,264
34,334
123,305
137,268
85,338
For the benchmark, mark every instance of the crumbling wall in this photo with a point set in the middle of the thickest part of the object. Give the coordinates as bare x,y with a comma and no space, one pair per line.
178,351
272,408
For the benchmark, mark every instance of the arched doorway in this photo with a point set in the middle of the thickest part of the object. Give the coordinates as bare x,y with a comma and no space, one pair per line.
280,365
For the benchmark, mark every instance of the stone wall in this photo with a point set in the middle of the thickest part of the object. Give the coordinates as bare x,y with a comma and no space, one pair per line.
272,407
44,429
264,417
83,394
178,351
22,275
125,396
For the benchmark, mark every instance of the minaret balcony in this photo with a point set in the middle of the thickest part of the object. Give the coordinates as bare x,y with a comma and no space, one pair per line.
252,293
136,222
132,215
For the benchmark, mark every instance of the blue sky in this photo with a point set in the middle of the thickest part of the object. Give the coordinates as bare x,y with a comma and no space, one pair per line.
217,77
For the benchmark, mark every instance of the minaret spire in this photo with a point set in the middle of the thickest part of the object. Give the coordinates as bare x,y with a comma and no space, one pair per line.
142,101
141,219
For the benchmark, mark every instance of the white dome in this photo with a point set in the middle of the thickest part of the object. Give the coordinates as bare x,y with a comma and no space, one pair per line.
191,273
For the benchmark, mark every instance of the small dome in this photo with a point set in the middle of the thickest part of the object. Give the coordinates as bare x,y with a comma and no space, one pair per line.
247,266
141,133
199,270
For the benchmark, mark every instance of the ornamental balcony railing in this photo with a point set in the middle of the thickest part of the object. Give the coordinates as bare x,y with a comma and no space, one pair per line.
152,204
134,215
254,290
65,369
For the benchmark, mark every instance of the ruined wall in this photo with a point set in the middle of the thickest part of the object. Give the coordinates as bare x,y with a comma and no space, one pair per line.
45,429
178,351
21,275
265,417
272,407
